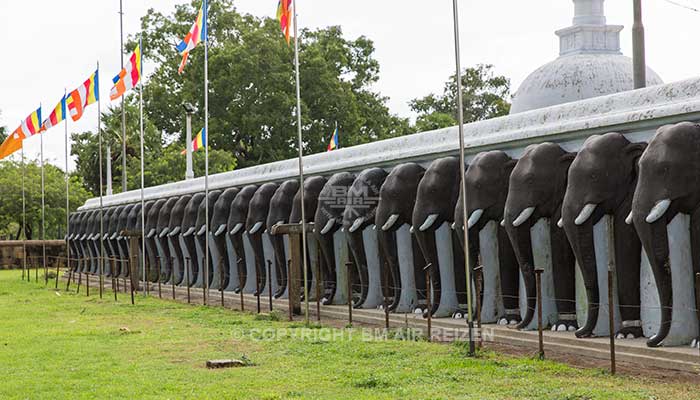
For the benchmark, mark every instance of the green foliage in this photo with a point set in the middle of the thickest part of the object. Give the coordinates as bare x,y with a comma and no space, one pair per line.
55,199
484,96
252,96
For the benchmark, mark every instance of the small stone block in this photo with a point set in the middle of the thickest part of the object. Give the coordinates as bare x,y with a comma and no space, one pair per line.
224,364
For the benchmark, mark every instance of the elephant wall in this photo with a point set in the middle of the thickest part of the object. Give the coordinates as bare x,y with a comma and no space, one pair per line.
393,246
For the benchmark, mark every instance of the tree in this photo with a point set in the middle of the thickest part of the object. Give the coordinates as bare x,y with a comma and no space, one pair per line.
252,96
3,132
484,95
163,162
55,199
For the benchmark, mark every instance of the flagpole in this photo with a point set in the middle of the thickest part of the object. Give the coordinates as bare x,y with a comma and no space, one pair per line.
143,207
100,259
470,321
301,166
206,150
43,210
121,35
65,121
24,218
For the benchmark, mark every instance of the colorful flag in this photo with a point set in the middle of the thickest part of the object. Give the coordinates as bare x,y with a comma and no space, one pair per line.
334,140
83,96
198,33
32,124
11,144
199,141
57,115
284,15
128,77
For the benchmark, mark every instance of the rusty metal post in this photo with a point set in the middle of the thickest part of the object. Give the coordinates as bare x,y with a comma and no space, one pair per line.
269,281
80,277
290,291
58,265
538,282
348,265
479,275
131,281
221,280
611,321
319,284
385,289
87,282
257,287
205,284
160,294
428,300
187,277
147,274
172,279
70,275
115,280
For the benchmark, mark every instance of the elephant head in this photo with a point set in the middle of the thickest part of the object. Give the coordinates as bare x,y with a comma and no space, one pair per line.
360,211
327,220
536,190
435,204
668,184
177,215
312,189
601,182
255,226
397,199
222,208
486,181
236,227
281,206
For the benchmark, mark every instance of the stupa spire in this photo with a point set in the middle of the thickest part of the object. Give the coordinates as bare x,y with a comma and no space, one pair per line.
589,32
589,12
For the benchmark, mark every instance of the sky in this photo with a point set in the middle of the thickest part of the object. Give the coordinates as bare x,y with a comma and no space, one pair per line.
55,45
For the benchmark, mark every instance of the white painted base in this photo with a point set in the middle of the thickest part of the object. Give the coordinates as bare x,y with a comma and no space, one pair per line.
684,322
542,255
448,291
374,291
492,306
408,298
341,272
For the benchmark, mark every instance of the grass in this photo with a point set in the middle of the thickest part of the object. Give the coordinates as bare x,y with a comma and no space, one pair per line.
64,345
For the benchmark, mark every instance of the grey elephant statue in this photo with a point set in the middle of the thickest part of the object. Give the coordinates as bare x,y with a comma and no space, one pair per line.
255,226
281,206
188,239
397,199
536,190
167,258
601,182
236,238
206,277
173,234
668,185
222,208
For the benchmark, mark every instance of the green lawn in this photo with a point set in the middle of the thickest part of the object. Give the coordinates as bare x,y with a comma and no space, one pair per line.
70,346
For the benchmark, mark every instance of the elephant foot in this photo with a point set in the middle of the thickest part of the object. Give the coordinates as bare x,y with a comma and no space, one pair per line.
630,330
566,322
460,314
695,344
512,317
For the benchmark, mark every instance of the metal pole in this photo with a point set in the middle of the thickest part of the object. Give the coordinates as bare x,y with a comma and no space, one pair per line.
65,124
206,148
319,283
385,289
109,190
121,52
538,281
638,47
172,280
479,278
160,293
269,282
462,166
189,171
301,165
348,265
43,212
203,270
257,286
143,206
221,280
611,309
428,305
24,219
187,278
100,260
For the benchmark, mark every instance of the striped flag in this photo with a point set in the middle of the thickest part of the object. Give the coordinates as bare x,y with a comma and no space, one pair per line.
11,144
32,124
198,142
128,77
83,96
57,115
284,15
197,34
334,140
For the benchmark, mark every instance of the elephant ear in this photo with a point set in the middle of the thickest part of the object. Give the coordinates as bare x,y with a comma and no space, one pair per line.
633,151
508,167
567,159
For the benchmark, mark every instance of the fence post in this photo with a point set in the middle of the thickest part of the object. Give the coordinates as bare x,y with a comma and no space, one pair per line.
385,289
187,277
538,280
479,275
221,280
348,265
205,284
158,268
611,321
428,300
257,286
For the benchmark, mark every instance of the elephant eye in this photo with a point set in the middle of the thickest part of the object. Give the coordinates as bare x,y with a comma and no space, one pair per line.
594,176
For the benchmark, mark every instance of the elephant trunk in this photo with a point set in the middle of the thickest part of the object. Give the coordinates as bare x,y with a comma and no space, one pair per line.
280,262
426,242
389,254
326,246
357,246
256,242
581,239
520,238
654,239
237,241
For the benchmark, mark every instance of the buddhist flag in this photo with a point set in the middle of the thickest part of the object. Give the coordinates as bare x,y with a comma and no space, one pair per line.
284,15
198,33
334,140
83,96
11,144
57,115
128,77
32,124
199,141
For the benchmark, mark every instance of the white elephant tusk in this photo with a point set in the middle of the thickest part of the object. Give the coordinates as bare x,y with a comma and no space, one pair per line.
524,216
201,230
106,236
390,222
236,228
221,230
628,220
329,225
658,211
503,223
474,218
175,231
255,228
411,230
428,222
560,223
453,226
585,213
162,233
151,233
356,225
189,231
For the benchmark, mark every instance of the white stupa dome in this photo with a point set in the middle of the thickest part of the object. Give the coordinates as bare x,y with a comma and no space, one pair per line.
590,64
